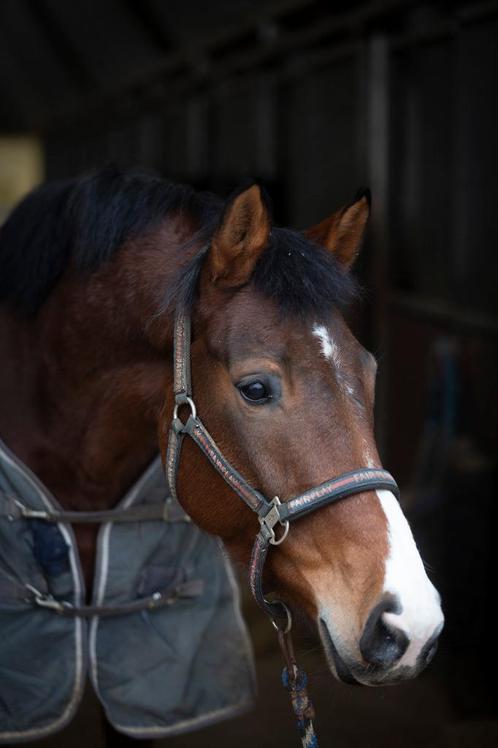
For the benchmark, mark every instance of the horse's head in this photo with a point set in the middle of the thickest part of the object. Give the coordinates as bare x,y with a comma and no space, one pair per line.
288,393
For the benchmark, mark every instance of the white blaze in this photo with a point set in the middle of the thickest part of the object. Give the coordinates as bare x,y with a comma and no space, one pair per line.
330,351
329,348
405,577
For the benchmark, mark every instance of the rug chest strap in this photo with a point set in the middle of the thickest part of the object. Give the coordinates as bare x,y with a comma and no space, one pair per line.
159,599
167,511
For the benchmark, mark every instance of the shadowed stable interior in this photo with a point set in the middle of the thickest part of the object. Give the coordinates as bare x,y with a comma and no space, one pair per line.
316,101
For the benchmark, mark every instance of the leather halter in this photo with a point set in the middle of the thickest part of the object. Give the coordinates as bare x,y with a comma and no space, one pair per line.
270,512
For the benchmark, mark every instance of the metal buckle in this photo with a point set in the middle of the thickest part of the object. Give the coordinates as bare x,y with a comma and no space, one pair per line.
28,513
47,601
270,520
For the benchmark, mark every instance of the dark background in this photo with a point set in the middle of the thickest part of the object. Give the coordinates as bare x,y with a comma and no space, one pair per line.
317,99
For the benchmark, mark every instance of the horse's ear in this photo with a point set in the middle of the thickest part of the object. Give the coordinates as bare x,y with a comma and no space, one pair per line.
240,238
343,231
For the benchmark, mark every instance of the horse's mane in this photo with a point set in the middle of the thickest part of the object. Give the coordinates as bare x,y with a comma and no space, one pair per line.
302,277
85,220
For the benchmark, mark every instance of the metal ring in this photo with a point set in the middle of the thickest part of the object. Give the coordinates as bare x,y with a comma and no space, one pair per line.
273,540
188,401
288,614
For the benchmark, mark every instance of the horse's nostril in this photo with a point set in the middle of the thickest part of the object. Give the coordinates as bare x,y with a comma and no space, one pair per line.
429,650
429,655
382,644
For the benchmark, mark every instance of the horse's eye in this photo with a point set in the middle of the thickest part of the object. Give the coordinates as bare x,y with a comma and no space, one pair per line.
255,392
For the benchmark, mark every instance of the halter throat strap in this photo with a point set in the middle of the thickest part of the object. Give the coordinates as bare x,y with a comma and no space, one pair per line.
274,516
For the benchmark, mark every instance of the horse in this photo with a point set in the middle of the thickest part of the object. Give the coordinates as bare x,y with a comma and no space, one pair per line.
93,270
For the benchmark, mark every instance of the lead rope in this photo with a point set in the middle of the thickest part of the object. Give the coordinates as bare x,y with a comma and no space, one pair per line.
296,680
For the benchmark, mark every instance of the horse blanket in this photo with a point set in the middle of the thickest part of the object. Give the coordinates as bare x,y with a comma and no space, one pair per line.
157,670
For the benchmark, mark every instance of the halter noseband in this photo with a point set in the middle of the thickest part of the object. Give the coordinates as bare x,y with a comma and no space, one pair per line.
271,513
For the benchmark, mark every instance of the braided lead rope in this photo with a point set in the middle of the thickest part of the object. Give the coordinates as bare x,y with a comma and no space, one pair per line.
296,680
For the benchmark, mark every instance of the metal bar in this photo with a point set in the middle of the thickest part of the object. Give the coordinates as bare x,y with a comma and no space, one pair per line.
185,62
147,17
62,47
445,28
444,313
477,11
377,135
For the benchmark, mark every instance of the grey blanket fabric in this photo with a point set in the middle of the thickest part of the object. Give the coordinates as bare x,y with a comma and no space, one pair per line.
157,672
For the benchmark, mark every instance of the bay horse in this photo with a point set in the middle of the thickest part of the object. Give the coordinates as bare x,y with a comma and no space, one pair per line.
92,271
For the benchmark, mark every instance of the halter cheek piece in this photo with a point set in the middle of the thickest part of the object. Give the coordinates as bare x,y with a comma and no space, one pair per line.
274,516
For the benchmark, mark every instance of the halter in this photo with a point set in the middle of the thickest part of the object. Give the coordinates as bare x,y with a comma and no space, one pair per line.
271,513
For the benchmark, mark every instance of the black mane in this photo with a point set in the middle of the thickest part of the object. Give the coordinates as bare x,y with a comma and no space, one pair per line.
302,277
86,220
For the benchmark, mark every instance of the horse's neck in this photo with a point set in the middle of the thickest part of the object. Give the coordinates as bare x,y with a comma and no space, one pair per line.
82,387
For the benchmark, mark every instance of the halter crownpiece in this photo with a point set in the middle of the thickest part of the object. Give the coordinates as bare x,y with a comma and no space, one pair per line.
272,514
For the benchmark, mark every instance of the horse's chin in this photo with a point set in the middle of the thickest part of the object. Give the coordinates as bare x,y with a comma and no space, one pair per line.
337,665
